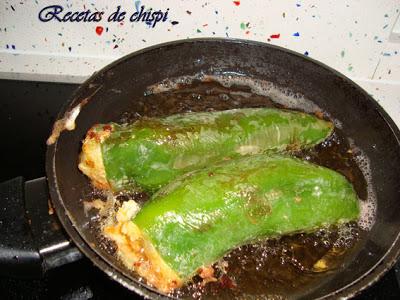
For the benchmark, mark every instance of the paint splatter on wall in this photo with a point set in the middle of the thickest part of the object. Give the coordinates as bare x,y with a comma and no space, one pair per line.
334,33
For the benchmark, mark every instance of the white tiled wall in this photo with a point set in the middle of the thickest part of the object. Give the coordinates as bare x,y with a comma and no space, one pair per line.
351,36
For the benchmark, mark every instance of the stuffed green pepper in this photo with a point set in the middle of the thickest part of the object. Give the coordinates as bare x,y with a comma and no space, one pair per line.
153,151
195,220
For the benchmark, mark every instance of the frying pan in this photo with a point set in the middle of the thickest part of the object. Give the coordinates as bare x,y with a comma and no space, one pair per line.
113,90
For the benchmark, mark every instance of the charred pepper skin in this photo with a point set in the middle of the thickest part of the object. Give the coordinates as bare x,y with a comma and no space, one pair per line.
201,216
153,151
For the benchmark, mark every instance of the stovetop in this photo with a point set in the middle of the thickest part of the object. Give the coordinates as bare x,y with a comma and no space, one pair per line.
27,111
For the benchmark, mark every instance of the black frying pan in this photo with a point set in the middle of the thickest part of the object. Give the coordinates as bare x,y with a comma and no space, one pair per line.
113,90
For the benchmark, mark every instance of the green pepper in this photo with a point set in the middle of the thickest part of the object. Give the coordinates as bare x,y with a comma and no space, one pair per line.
153,151
196,219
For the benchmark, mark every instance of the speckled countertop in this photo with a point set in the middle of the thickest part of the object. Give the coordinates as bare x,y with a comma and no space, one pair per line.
355,37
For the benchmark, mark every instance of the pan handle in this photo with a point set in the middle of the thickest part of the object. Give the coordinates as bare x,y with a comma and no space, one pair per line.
31,238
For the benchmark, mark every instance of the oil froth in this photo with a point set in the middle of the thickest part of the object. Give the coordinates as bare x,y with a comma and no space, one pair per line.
368,206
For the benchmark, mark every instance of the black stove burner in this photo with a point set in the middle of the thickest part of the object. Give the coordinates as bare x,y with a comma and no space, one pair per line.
27,111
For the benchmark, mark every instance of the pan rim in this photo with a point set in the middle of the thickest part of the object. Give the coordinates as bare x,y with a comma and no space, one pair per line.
361,283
